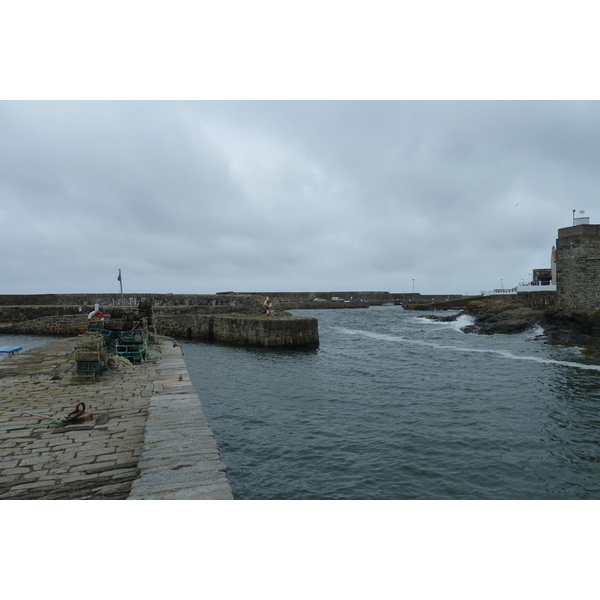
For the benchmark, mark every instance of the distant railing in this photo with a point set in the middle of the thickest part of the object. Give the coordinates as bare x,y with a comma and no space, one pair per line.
536,287
522,287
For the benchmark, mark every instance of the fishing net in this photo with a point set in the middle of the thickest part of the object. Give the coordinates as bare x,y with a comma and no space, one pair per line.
119,363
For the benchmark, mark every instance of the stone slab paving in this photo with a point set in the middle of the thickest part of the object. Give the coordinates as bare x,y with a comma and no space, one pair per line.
180,458
103,458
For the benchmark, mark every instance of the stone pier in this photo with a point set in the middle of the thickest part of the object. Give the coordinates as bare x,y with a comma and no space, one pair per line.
254,330
180,458
147,436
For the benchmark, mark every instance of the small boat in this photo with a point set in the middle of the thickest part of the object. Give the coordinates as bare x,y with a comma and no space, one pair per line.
8,351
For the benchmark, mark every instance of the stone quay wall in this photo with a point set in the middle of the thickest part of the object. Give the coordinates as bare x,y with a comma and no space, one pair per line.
23,308
240,330
107,300
310,296
316,305
537,300
20,313
51,325
578,268
373,298
232,319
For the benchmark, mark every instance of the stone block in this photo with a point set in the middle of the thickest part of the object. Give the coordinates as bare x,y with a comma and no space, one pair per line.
197,492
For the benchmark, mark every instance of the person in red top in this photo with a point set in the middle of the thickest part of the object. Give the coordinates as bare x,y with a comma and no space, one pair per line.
267,304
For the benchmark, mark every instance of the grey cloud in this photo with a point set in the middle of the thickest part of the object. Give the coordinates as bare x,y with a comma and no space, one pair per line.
207,196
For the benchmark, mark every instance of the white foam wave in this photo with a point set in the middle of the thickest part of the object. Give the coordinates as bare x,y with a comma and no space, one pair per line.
458,324
462,321
503,353
537,331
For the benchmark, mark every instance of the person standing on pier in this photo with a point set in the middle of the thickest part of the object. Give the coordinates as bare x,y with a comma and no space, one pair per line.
267,304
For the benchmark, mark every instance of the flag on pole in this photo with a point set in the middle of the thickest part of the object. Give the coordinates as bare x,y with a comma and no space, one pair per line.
119,277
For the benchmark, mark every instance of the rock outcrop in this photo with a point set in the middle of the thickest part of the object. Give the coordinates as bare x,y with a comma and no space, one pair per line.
579,328
501,316
508,316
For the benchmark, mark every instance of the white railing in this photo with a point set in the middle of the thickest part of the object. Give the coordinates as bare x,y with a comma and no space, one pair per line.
535,287
499,292
522,287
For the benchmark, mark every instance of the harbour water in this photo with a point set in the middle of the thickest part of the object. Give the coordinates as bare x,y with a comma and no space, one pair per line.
26,342
395,406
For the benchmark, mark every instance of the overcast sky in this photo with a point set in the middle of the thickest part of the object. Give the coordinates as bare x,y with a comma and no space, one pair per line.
209,196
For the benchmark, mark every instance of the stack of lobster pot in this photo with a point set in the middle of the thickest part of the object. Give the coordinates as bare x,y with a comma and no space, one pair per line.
132,345
91,356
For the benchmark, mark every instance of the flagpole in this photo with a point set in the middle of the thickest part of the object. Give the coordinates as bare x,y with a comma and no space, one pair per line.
121,284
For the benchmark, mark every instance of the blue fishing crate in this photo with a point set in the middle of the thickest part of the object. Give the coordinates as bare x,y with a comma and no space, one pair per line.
105,333
135,358
131,336
128,348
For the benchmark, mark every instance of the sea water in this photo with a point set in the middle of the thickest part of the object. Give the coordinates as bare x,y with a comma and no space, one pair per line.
396,406
26,342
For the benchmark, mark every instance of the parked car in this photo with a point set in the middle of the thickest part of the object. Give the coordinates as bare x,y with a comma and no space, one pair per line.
319,300
337,299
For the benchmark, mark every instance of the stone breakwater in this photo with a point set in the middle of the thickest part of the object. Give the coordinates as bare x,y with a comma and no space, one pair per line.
247,331
254,330
321,305
235,320
147,432
64,325
244,331
74,301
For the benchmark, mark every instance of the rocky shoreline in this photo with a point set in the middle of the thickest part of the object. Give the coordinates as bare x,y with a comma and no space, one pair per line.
502,316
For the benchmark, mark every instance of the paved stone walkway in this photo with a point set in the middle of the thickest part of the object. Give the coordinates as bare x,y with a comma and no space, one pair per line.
100,459
180,459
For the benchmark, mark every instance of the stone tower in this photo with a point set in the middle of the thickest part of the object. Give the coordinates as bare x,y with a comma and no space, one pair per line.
578,266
